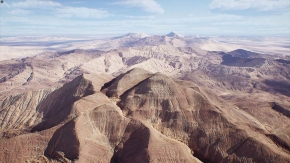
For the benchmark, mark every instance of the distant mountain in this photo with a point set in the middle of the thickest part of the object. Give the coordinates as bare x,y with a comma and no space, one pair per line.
174,35
136,35
245,54
229,60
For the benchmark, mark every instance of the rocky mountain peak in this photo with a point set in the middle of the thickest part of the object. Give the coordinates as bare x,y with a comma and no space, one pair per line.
174,35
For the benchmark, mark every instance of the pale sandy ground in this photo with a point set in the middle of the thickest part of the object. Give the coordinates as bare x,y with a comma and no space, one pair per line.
9,52
219,47
267,45
21,47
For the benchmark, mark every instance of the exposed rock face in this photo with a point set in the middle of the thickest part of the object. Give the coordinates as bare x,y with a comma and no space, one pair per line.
246,54
142,143
242,62
49,124
136,117
126,81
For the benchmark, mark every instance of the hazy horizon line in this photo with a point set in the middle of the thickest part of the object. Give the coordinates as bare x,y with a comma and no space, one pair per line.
150,34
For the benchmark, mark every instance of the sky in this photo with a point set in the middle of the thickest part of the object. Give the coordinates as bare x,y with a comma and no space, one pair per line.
116,17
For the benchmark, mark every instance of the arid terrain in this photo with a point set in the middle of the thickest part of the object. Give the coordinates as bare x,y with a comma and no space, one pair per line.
141,98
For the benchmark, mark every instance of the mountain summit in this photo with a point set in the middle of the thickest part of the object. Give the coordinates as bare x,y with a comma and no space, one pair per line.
174,34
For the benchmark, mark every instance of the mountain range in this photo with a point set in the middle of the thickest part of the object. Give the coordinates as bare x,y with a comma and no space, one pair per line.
145,98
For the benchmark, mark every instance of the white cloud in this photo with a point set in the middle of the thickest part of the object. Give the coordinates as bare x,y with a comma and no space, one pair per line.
81,12
140,17
19,12
147,5
215,24
6,5
57,9
76,2
36,4
263,5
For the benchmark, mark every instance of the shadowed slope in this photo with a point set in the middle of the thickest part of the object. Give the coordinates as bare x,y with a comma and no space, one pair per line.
230,60
58,105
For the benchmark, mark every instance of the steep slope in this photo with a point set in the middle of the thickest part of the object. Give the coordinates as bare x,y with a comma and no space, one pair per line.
174,35
18,112
79,123
52,114
185,114
142,143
